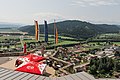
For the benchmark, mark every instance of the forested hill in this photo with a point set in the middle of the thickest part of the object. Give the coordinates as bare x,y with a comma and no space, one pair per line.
75,28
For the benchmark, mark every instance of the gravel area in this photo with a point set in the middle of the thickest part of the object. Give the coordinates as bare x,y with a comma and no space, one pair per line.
4,59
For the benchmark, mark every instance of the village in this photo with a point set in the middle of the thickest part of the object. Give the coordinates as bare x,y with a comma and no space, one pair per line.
63,61
49,58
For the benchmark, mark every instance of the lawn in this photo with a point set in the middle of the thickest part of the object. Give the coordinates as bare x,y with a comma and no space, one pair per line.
66,42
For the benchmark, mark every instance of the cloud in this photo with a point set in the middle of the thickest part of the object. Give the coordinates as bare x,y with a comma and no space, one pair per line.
49,16
85,3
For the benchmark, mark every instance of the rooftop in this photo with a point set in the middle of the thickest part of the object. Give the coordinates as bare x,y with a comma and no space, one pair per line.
7,74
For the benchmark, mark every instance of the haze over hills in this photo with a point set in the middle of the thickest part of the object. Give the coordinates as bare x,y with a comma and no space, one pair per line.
9,25
75,28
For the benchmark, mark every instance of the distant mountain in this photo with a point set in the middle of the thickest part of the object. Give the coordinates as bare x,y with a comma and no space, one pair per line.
75,28
9,25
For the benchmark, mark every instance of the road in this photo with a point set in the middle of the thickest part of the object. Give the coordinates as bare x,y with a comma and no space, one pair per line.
81,65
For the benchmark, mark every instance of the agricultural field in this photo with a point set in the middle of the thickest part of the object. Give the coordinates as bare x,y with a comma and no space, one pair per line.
20,40
2,38
115,36
63,40
106,38
116,43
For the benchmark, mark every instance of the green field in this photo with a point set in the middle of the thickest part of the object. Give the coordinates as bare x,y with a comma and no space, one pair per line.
29,39
109,36
2,38
63,37
63,40
117,43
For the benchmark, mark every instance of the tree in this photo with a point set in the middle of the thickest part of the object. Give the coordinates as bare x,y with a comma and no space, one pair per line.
103,67
117,54
93,69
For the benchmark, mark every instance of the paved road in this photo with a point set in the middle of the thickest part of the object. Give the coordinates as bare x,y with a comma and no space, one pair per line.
81,65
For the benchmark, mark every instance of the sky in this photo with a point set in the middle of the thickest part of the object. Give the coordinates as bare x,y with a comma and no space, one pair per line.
26,11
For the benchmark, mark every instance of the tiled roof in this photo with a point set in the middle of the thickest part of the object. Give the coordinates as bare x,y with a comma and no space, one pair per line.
6,74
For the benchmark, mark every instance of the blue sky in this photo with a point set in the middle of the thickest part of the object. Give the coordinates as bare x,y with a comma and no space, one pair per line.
26,11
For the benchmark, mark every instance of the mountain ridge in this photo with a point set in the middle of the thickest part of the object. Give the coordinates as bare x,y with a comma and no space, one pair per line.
75,28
